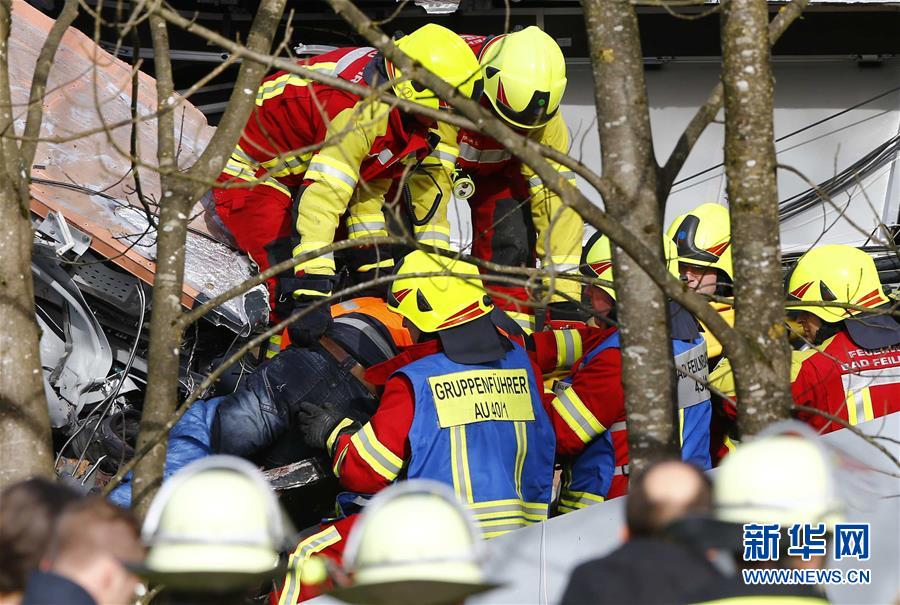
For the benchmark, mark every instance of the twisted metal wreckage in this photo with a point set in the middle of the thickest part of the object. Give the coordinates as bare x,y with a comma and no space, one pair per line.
94,249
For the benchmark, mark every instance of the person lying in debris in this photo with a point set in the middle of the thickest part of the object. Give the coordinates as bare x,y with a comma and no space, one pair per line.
256,421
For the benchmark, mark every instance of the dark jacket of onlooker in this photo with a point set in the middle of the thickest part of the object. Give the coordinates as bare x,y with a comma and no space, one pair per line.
651,567
643,572
45,588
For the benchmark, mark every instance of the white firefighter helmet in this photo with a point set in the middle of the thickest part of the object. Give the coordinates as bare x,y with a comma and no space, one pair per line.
415,544
215,525
784,477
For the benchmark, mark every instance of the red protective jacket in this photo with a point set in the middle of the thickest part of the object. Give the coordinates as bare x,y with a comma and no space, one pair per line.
598,393
344,150
390,425
847,381
327,540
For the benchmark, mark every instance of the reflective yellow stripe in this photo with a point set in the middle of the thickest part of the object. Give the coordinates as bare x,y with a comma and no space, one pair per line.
339,461
433,235
568,348
275,87
533,506
308,547
382,460
569,406
867,404
385,264
335,432
239,170
364,225
564,264
851,407
283,165
446,154
273,346
270,182
459,463
332,171
322,265
525,320
495,509
535,182
242,156
572,500
681,427
521,451
729,444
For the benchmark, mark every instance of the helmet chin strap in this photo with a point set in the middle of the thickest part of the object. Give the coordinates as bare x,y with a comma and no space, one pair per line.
826,331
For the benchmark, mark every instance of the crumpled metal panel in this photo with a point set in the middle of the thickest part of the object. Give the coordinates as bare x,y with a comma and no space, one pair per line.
88,178
79,374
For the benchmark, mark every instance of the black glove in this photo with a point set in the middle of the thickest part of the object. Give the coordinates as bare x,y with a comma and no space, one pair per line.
316,321
317,422
565,311
309,328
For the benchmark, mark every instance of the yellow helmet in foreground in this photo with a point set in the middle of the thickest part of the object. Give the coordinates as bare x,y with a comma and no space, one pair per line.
835,273
444,54
414,544
438,302
703,237
525,76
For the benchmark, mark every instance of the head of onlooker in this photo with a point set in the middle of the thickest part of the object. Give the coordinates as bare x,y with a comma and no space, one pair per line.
215,530
773,483
414,544
666,501
28,513
664,492
86,559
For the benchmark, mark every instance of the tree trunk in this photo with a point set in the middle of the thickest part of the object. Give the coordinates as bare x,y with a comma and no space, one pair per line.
25,445
178,197
623,120
762,377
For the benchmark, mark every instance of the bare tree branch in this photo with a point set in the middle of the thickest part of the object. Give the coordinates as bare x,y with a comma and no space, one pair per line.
178,197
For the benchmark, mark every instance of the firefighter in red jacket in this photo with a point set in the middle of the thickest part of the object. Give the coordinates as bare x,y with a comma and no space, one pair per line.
853,369
464,406
515,218
851,366
341,151
592,400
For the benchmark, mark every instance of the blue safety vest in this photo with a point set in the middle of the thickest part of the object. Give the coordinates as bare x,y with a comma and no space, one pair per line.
483,429
588,477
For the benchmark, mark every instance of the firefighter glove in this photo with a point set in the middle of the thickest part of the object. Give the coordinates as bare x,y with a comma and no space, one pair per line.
308,329
305,290
321,425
